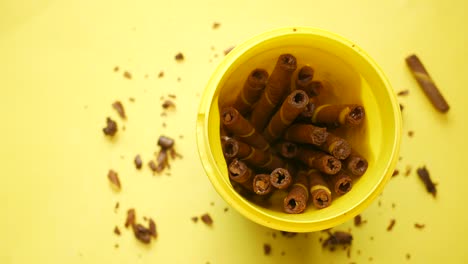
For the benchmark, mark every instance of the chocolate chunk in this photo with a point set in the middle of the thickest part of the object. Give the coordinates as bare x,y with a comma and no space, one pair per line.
216,25
142,233
168,104
266,249
117,231
138,162
179,56
403,93
391,225
127,75
130,218
395,173
165,142
162,159
114,178
206,218
118,106
160,74
419,226
116,68
194,219
152,228
337,238
226,209
410,133
153,166
426,179
111,127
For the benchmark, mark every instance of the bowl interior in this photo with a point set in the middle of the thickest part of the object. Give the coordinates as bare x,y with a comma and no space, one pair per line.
349,76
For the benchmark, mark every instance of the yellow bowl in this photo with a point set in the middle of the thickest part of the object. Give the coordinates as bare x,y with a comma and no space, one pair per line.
350,76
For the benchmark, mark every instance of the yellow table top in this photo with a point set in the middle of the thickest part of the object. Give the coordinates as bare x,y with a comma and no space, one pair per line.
57,84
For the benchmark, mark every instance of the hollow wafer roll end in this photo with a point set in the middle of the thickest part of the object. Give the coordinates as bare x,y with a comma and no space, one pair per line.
319,190
341,183
261,184
336,146
355,164
349,115
251,91
287,149
295,201
319,160
304,77
280,178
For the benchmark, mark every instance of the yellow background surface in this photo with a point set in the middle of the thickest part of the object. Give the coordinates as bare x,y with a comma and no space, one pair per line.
57,85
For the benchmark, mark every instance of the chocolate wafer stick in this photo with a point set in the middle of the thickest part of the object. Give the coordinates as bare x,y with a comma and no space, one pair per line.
238,125
349,115
355,164
426,83
313,88
305,133
240,173
261,184
304,77
251,91
336,146
292,106
296,200
280,178
276,90
319,190
255,157
341,183
319,160
286,149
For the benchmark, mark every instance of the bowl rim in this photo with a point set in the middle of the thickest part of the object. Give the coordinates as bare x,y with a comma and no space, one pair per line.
208,159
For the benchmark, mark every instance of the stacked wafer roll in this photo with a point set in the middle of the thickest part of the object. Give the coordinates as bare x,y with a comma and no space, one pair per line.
277,138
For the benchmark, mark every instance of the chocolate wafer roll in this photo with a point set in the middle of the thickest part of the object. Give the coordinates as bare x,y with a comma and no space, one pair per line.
349,115
255,157
305,133
296,200
275,91
292,106
427,84
304,77
238,125
233,148
319,191
251,91
240,173
261,184
341,183
313,88
280,178
286,149
355,164
336,146
319,160
273,163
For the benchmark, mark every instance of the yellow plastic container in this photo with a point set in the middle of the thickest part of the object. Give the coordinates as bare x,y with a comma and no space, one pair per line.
350,76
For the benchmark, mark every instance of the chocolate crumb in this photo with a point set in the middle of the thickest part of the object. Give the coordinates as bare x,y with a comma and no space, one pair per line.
294,29
165,142
117,231
348,253
163,114
118,106
410,133
408,256
283,253
127,75
142,233
419,226
138,162
164,124
226,51
116,68
371,238
358,252
194,219
114,179
160,74
401,107
111,127
379,203
179,79
273,235
337,238
357,220
152,166
131,99
212,203
371,258
168,104
216,25
266,249
179,57
393,205
403,93
408,170
173,96
226,209
130,221
152,228
146,76
395,173
206,218
116,245
145,218
123,128
391,225
117,205
288,234
426,179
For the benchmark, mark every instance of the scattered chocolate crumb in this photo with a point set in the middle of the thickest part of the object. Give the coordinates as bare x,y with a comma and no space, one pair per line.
168,104
145,218
160,74
226,51
131,99
391,225
371,238
179,79
393,205
216,55
410,133
162,159
379,203
358,252
179,56
419,226
403,93
288,234
111,127
408,170
371,258
116,68
400,158
206,218
164,124
127,75
146,76
124,128
165,142
266,249
357,220
163,114
117,230
294,29
212,47
426,179
216,25
142,233
117,205
173,96
337,238
283,253
273,235
152,165
118,106
114,179
408,256
138,162
226,209
130,221
348,253
161,98
116,245
395,173
212,203
168,174
194,219
152,228
401,107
